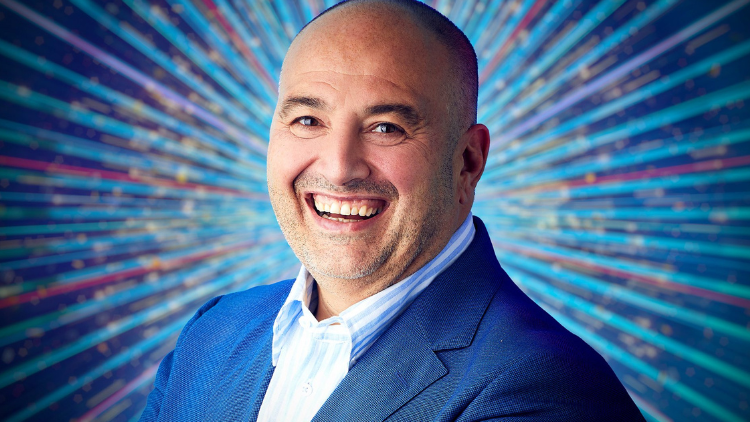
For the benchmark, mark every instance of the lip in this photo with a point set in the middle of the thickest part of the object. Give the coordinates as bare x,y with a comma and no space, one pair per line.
337,226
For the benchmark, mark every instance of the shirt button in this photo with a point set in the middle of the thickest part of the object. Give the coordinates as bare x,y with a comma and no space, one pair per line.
307,389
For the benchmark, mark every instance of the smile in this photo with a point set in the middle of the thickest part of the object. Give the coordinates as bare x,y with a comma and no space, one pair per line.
346,210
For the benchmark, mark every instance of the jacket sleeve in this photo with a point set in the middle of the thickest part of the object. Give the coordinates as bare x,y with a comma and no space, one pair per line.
157,395
554,386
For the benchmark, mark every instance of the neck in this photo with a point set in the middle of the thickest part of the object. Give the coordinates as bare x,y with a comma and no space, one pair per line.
336,296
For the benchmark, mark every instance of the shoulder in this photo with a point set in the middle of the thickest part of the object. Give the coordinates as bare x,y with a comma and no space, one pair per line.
240,310
260,298
525,337
559,379
536,366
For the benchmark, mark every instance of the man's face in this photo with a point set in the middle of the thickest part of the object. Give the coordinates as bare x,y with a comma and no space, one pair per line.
362,127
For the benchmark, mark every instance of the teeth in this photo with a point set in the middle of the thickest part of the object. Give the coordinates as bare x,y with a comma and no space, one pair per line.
343,208
342,220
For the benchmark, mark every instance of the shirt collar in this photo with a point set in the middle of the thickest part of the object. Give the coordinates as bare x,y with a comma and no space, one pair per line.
368,318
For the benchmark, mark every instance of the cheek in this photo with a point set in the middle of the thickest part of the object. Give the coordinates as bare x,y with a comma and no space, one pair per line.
410,174
287,158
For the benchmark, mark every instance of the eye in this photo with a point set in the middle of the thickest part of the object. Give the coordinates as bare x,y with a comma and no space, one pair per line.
384,133
307,121
386,128
306,127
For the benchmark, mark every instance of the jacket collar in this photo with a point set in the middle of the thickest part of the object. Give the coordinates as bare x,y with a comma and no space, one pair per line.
402,362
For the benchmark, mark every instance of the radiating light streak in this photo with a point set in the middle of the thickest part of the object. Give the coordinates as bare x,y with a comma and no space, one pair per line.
479,34
652,121
147,82
103,184
661,213
96,151
556,14
671,182
139,243
137,350
98,275
242,40
507,35
623,294
652,413
121,359
113,175
120,201
115,328
268,234
526,15
258,111
637,365
648,55
252,121
554,82
584,26
649,91
510,219
100,122
181,278
56,228
118,99
641,241
267,27
619,323
247,41
264,86
144,378
717,290
643,153
291,23
662,173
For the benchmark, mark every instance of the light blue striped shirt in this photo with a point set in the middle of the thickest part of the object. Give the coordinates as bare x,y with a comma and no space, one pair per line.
311,357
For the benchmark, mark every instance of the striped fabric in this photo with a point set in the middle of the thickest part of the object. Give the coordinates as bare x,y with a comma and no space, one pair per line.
311,357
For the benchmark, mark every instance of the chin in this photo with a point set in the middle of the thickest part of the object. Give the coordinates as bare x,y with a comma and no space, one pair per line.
341,267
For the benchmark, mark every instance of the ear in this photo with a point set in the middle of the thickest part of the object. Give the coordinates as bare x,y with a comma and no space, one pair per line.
475,145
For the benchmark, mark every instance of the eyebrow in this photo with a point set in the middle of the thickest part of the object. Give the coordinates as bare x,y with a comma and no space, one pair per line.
310,102
406,112
410,115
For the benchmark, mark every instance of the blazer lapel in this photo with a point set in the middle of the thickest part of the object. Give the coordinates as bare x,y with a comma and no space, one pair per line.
396,368
402,362
258,376
242,383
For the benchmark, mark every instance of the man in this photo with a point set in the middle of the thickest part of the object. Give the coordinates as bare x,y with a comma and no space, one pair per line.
400,311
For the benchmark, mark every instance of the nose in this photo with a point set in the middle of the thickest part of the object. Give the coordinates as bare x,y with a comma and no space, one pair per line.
342,157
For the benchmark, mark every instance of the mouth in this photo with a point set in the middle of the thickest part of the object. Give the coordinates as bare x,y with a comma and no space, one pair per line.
346,210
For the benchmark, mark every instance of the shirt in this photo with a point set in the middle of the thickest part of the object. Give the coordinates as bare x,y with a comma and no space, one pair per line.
312,357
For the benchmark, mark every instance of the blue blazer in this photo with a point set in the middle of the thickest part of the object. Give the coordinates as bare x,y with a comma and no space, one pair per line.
471,347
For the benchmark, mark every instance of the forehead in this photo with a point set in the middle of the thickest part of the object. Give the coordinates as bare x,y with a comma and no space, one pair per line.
368,51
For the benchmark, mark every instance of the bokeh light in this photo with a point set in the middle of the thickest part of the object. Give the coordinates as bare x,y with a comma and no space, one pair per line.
132,189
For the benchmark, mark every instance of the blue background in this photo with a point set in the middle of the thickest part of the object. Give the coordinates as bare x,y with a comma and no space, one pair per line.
132,187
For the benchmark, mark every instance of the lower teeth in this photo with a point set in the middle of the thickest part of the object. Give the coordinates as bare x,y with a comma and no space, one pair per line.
343,220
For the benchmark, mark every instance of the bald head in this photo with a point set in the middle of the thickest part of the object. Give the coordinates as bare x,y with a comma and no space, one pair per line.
426,22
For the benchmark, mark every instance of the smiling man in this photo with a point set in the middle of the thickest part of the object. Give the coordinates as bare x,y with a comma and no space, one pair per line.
400,311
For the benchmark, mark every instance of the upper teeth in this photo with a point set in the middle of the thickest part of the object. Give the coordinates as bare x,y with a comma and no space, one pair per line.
363,208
